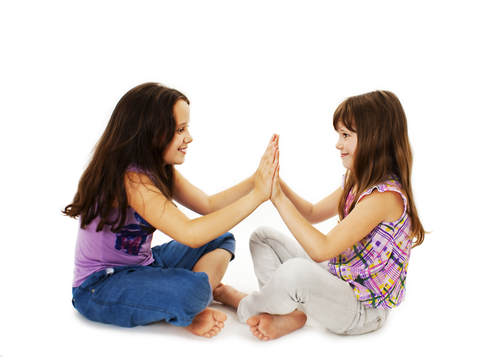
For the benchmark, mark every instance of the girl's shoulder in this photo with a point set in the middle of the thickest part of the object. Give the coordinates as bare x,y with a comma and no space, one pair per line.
390,184
393,205
136,168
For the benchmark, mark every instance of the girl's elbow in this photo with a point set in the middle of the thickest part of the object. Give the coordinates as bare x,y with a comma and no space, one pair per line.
192,241
194,245
316,260
318,256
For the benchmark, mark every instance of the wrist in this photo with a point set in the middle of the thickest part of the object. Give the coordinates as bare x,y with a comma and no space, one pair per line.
260,199
252,178
278,198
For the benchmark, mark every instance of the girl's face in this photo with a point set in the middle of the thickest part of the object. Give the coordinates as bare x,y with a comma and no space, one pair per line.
347,145
175,153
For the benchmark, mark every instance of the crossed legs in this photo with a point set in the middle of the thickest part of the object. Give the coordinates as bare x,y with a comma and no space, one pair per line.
268,254
292,285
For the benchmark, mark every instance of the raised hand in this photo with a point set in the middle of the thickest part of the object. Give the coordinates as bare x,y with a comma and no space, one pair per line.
266,170
276,188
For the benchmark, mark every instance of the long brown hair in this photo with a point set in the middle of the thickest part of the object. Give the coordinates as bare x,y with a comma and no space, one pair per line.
383,148
139,130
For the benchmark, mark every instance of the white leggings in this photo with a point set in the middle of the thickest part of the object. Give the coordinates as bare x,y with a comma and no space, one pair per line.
289,279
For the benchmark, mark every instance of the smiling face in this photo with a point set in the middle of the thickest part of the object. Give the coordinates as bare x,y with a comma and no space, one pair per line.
175,153
347,145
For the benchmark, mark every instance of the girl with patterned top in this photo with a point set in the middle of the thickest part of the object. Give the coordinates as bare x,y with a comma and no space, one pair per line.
349,279
127,192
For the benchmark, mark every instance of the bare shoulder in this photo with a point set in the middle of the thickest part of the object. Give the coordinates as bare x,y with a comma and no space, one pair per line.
134,180
390,204
141,191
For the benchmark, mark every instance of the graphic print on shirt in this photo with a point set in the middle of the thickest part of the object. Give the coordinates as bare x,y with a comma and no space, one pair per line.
376,266
132,236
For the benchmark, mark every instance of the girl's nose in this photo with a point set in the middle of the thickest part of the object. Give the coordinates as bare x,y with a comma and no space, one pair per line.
339,146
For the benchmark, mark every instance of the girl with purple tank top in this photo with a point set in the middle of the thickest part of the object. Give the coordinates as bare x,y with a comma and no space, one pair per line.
127,192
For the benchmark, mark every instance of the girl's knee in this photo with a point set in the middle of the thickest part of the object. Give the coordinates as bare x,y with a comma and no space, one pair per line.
259,233
295,272
225,242
264,233
225,237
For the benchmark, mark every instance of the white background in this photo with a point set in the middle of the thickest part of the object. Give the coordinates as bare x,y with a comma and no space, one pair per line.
251,69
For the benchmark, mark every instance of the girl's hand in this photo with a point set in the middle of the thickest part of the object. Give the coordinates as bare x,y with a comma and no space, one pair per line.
266,170
276,192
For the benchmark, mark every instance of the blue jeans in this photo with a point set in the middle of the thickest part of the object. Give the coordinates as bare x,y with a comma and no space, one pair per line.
167,289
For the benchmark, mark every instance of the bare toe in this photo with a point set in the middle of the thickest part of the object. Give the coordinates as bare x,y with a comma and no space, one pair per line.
253,321
269,327
208,323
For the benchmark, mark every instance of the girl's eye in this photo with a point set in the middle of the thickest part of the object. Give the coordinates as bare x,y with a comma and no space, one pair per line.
345,135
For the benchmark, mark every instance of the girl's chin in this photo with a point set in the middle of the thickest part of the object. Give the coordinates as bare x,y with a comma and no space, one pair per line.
175,163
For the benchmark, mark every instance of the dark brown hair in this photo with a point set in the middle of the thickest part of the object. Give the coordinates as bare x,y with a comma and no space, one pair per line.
383,148
139,130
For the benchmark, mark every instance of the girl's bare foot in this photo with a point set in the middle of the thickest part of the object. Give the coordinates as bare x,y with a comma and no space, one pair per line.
269,327
207,323
228,295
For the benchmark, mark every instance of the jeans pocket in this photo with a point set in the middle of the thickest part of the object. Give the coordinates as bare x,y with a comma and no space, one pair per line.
105,274
90,284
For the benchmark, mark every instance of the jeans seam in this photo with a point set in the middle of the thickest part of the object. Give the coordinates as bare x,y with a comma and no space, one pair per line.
135,306
334,303
104,303
377,319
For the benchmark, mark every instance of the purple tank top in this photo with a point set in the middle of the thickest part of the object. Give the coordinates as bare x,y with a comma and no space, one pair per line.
96,251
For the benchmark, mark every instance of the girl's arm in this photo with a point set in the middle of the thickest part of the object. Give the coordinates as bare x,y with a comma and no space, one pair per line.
198,201
368,213
149,202
313,213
